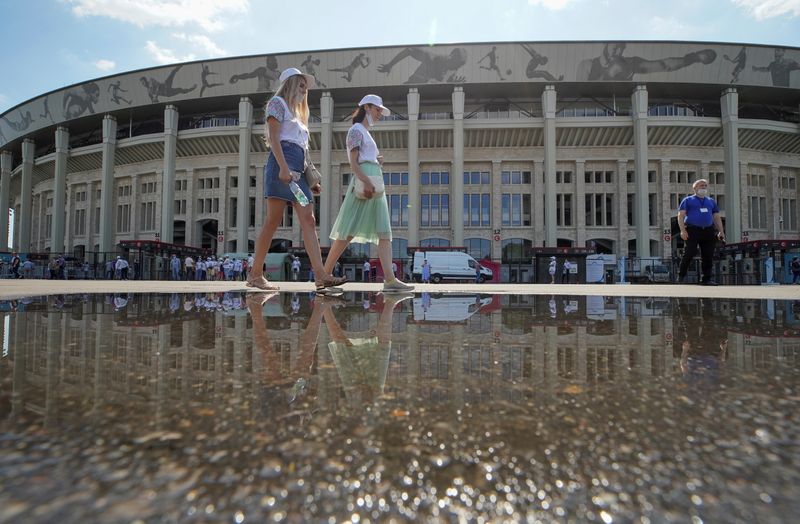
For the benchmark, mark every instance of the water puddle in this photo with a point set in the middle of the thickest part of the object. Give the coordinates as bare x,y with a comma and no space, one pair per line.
232,407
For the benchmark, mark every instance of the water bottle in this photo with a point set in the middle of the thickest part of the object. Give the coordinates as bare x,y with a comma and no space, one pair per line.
298,193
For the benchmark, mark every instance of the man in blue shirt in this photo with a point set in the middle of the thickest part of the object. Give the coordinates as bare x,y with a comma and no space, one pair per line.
698,218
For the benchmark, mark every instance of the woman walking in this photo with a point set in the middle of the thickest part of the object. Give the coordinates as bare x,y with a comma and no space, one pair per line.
364,215
287,136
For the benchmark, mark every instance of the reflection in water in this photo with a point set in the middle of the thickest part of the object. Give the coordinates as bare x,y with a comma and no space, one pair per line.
409,406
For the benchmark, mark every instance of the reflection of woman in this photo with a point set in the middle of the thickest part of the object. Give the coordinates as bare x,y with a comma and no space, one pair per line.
365,218
362,363
281,387
287,134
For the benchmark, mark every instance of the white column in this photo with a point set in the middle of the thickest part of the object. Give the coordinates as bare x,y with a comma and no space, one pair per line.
6,162
191,210
326,145
640,159
457,176
107,212
666,211
774,202
60,190
68,222
579,207
733,184
136,200
168,176
26,196
549,114
413,168
497,209
536,204
622,205
222,215
90,216
743,203
243,193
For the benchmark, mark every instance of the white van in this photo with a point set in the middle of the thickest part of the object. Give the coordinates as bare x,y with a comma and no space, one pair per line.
450,308
448,265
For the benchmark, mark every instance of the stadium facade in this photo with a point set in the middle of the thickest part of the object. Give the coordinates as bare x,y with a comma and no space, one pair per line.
498,147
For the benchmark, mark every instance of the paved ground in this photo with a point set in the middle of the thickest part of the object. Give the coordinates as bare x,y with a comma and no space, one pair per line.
18,288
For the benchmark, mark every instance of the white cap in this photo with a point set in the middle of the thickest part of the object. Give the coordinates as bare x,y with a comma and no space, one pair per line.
376,101
293,71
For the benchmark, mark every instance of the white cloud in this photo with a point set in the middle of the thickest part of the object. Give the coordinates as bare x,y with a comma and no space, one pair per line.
166,56
105,65
210,49
555,5
763,9
210,15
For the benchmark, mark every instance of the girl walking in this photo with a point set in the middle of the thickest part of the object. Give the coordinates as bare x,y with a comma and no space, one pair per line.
364,215
287,135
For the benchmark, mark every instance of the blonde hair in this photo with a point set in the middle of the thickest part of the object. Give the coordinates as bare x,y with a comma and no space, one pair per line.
297,105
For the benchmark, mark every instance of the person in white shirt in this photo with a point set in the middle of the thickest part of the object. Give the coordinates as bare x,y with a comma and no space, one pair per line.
287,135
189,264
295,269
122,268
364,214
367,270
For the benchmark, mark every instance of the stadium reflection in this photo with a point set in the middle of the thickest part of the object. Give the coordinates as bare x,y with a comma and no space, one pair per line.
376,406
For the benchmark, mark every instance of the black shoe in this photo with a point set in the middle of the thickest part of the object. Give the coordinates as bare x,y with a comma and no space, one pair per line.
708,283
680,280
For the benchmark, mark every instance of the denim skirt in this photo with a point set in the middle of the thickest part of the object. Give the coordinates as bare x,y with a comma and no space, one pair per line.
274,187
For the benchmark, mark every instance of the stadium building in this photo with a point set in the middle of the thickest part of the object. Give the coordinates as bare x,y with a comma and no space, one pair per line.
497,147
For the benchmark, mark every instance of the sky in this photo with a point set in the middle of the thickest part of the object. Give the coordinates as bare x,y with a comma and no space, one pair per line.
49,44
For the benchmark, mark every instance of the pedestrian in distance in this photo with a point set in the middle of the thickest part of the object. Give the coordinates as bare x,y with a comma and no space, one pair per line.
295,269
701,226
364,214
552,270
287,136
795,267
366,270
175,267
426,272
565,272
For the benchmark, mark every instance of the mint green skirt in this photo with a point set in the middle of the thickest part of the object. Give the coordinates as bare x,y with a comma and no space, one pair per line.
366,220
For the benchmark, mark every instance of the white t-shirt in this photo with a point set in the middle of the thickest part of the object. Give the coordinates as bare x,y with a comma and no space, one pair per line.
295,265
292,128
367,267
358,137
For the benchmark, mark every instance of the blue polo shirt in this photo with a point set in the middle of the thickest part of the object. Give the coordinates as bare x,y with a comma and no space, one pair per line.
699,210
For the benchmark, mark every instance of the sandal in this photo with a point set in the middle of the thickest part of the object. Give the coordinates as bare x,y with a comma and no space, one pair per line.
262,283
332,281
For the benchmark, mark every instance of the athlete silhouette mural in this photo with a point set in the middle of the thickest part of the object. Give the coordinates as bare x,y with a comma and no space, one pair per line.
47,113
24,122
492,56
612,65
156,89
740,60
204,74
360,61
79,100
308,64
266,75
115,89
432,66
537,60
780,68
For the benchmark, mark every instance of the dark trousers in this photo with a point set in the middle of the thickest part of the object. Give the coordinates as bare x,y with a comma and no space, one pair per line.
706,240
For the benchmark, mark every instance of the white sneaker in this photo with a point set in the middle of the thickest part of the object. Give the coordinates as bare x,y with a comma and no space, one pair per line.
396,286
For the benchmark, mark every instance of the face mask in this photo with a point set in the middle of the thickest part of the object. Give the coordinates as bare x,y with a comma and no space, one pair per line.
370,120
702,192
